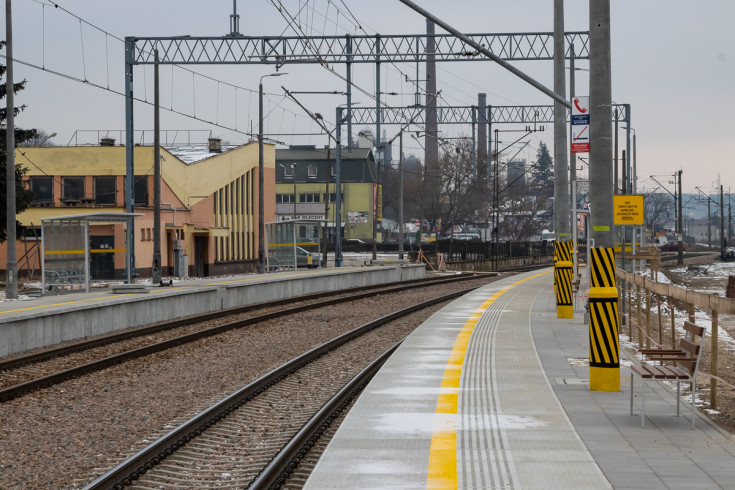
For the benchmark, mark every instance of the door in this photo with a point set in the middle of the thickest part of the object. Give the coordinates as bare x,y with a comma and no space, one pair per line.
102,264
200,256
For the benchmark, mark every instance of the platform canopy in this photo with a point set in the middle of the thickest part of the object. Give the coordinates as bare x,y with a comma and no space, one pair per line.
65,249
284,237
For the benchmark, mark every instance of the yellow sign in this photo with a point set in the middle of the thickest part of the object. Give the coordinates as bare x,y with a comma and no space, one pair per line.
628,210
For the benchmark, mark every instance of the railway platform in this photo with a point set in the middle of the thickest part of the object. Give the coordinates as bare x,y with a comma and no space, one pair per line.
51,319
492,392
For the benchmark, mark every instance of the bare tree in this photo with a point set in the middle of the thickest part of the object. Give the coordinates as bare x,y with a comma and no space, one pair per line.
520,216
40,138
656,209
461,196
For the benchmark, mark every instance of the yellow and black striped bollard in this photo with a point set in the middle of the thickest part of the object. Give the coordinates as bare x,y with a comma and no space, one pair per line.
604,323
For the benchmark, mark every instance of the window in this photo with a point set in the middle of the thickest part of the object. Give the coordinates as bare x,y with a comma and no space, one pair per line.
311,171
309,198
333,170
333,197
288,170
42,188
72,188
141,190
104,190
284,198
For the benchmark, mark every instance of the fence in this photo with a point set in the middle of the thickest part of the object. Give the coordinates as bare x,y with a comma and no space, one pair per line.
653,292
460,250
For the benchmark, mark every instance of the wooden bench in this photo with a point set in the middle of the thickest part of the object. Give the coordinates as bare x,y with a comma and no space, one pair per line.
681,366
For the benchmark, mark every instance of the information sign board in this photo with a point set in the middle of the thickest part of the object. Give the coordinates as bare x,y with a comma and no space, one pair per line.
628,210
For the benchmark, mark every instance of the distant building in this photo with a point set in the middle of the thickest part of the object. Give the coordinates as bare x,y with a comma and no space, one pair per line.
699,231
208,210
517,176
301,189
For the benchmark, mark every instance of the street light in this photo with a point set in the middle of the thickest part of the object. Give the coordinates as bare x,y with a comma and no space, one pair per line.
261,184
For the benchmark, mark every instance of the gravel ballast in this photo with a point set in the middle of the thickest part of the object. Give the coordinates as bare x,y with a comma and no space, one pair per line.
61,436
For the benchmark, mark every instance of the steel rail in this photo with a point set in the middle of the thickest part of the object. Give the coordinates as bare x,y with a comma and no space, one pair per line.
15,391
280,468
137,465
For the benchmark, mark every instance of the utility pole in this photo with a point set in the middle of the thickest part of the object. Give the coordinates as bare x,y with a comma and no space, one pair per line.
601,181
615,155
156,272
561,184
709,225
327,176
401,237
680,259
261,185
482,149
431,142
572,164
11,269
722,222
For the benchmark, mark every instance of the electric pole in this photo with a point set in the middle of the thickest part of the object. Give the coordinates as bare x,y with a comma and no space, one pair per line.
11,269
722,222
156,272
680,259
601,168
561,184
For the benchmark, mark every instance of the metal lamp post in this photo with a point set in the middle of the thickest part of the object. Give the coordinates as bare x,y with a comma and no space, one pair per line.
261,184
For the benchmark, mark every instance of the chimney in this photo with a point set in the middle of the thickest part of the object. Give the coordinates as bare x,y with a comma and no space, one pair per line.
215,145
107,142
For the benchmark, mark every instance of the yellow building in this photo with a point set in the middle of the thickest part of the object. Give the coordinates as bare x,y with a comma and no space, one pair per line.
209,205
301,189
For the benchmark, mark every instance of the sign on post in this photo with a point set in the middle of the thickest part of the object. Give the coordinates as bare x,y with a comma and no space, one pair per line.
581,125
628,210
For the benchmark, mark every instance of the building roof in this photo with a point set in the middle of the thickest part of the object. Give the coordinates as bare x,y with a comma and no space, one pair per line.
194,154
308,152
357,165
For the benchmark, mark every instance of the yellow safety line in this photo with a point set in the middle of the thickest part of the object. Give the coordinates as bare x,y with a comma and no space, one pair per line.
443,451
92,250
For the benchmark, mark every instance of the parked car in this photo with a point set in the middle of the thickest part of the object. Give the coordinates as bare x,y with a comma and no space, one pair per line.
304,258
672,247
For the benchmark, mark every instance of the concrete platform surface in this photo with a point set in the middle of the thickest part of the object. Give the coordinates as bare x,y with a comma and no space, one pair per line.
492,392
52,319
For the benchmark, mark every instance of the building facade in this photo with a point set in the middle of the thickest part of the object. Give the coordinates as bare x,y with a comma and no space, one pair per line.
305,189
209,205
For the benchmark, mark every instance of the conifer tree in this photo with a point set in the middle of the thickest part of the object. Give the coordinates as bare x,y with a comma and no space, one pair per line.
23,196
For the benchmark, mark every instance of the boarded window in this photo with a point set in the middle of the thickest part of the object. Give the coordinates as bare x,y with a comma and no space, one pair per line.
104,190
72,188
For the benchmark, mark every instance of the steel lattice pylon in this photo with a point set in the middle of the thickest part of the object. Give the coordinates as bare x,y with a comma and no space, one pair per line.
184,50
519,114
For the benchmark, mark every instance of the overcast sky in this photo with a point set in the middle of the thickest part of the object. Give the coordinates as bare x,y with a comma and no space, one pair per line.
672,60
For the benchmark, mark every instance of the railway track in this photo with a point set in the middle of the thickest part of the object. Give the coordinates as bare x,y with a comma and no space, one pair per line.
25,374
256,436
